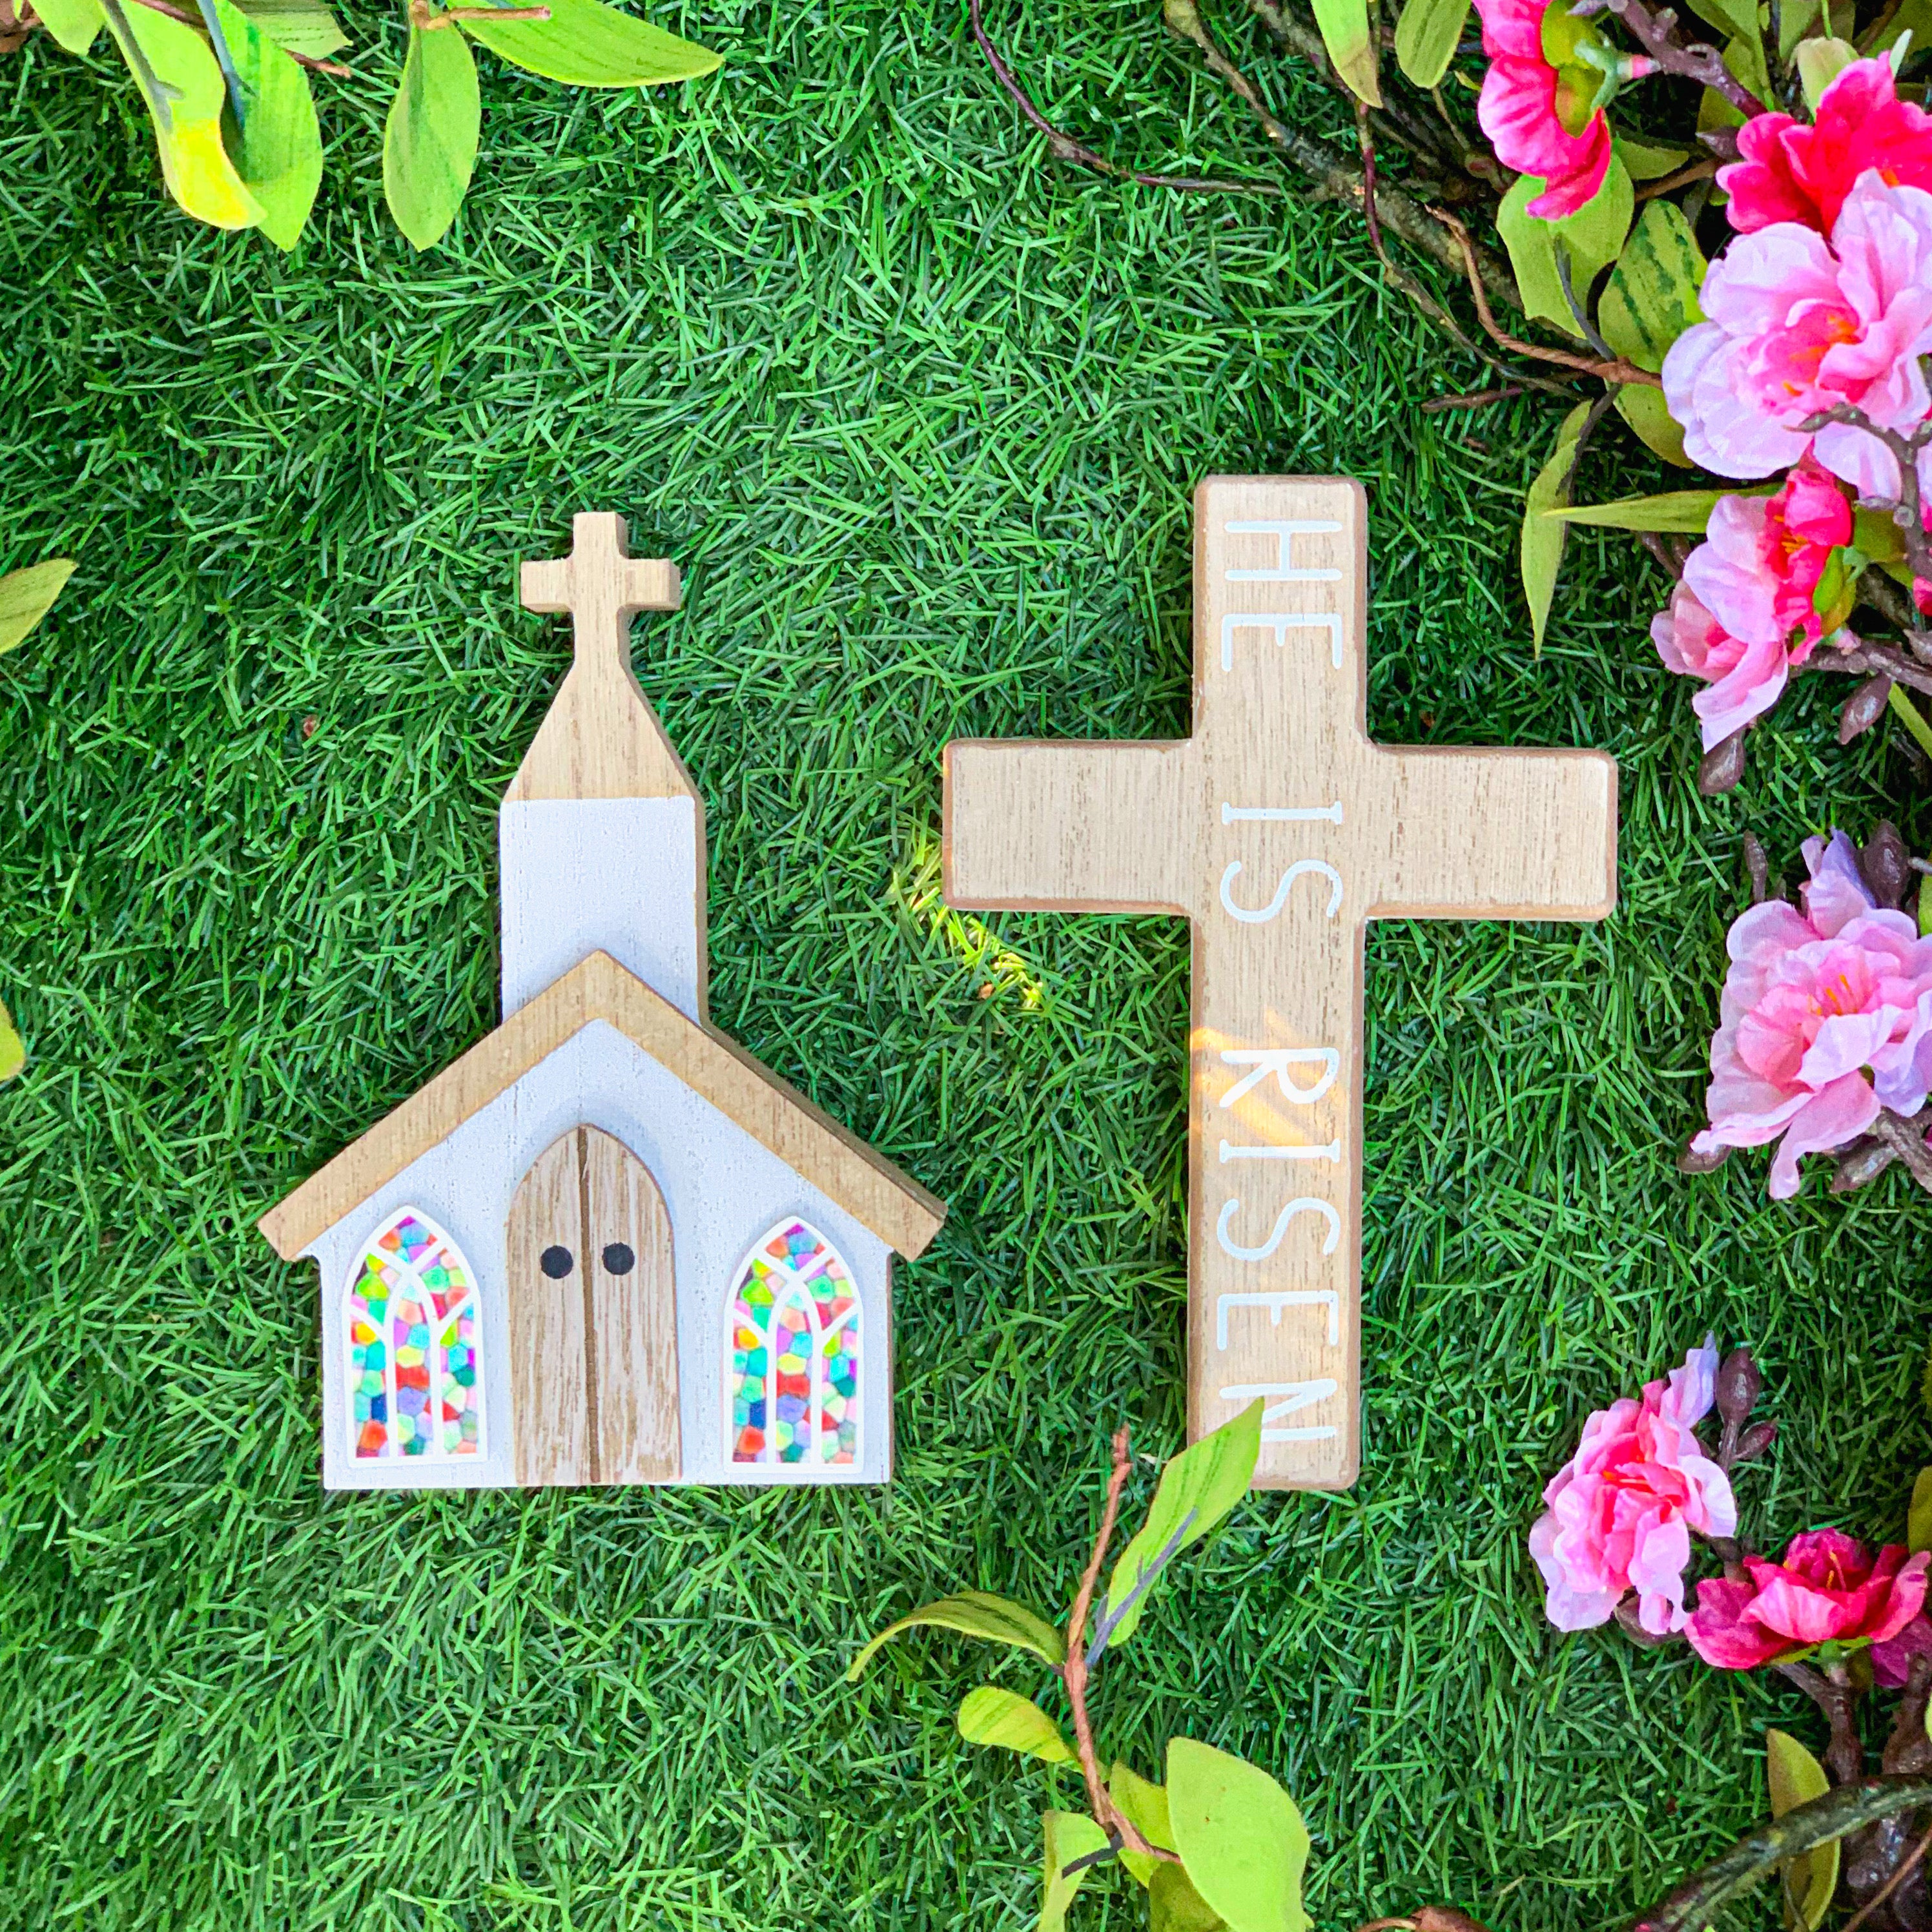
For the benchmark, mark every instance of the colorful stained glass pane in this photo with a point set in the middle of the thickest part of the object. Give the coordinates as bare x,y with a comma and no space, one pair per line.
792,1367
414,1345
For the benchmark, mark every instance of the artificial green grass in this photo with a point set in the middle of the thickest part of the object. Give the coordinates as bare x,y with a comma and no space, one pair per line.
920,417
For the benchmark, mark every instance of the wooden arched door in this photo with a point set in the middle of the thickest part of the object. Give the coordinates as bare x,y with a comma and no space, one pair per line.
593,1318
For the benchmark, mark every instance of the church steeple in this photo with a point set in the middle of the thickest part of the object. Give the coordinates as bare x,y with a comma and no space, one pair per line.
602,833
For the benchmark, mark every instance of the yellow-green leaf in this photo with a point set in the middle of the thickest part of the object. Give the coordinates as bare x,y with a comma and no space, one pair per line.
1344,33
1647,162
278,149
12,1052
1919,1518
1649,418
591,45
1913,17
1174,1906
302,26
1010,1722
1069,1835
1197,1490
1543,537
1735,17
27,596
1794,20
1426,37
175,71
429,143
974,1613
1144,1806
1820,63
73,23
1650,297
1686,511
1240,1836
1593,237
1745,57
1796,1778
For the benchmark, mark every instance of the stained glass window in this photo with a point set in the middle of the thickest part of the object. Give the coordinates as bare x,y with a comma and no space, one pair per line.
792,1375
414,1345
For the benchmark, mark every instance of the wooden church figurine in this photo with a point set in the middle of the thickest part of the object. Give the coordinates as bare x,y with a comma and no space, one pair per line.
606,1245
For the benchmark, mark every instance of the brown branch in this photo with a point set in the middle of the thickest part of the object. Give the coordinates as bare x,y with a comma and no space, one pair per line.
1064,147
1476,399
1615,370
1908,511
1107,1814
1844,1756
1365,140
1907,1866
1683,178
1657,33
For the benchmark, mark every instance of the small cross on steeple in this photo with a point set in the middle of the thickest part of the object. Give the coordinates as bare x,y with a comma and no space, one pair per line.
601,739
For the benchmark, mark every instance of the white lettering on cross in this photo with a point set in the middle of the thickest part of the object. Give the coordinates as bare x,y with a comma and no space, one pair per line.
1280,623
1306,1204
1260,916
1279,785
1300,1395
1274,1301
1277,1059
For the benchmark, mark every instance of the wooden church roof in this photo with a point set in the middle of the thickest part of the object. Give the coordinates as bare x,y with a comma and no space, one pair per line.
841,1166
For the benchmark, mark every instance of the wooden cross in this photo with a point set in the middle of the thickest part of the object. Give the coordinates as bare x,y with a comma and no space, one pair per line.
1278,830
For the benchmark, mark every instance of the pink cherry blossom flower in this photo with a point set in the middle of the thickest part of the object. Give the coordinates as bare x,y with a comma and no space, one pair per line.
1746,678
1825,1019
1792,173
1829,1589
1745,613
1621,1511
1798,325
1541,121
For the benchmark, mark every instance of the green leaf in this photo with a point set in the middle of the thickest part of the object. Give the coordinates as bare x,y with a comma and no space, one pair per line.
974,1613
27,596
1737,17
1426,37
1010,1722
1925,927
1820,63
302,26
1796,1777
73,23
1877,537
1594,236
1144,1805
1919,1517
1650,297
1174,1906
278,147
429,144
1686,511
12,1052
1914,17
1344,33
1544,536
1069,1835
1647,163
1794,20
591,45
175,71
1745,57
1240,1836
1197,1490
1649,418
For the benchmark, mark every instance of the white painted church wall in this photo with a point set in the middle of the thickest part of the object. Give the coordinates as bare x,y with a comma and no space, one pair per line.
582,876
723,1190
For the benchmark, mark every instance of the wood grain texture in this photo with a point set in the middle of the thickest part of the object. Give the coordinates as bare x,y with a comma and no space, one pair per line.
601,739
550,1389
632,1326
837,1162
1280,829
